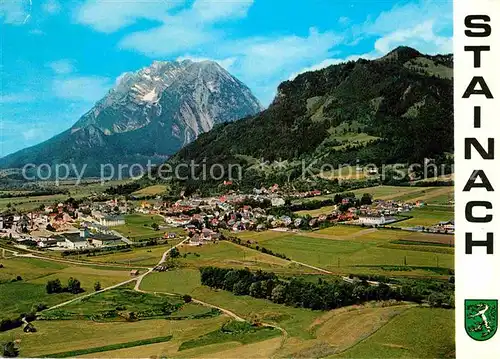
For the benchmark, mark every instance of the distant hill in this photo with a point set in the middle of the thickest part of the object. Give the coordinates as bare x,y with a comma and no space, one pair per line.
149,115
396,109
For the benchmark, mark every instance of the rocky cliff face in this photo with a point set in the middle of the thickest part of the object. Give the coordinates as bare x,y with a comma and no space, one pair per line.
149,114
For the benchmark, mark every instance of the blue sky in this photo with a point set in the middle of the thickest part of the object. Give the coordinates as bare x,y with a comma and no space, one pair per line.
59,57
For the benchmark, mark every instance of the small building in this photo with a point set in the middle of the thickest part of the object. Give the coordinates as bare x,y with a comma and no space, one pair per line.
195,240
112,221
277,202
48,243
134,272
103,240
72,241
375,220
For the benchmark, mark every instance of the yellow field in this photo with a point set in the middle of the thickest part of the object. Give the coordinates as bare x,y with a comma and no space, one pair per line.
316,212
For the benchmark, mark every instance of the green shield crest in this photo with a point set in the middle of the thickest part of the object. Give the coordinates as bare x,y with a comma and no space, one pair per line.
481,318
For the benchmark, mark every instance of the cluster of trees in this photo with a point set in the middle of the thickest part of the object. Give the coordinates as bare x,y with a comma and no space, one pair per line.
321,295
55,286
96,251
123,189
12,323
10,350
35,193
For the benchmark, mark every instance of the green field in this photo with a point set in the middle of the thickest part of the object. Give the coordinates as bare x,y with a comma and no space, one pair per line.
106,348
227,254
427,216
316,212
138,226
69,335
110,304
30,203
417,333
346,249
387,192
147,256
84,189
317,333
294,320
18,297
234,331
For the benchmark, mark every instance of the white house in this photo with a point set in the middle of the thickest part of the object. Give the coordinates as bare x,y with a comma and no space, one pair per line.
375,220
112,221
73,241
277,202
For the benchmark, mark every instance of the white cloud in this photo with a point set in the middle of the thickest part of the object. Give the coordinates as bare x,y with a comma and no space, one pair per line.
15,12
422,37
190,28
62,67
417,24
32,133
82,88
410,15
344,20
172,38
51,7
37,32
264,57
16,98
111,15
211,10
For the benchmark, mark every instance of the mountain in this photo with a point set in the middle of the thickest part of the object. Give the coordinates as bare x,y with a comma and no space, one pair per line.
395,109
148,115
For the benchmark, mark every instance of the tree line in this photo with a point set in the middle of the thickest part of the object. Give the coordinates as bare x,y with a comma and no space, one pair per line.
322,295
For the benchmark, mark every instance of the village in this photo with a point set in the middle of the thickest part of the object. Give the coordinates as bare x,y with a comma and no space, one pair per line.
77,226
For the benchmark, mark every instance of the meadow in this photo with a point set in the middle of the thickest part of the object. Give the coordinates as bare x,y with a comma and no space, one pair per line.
138,226
315,333
346,249
427,216
83,334
19,296
84,189
143,257
108,305
408,336
316,212
227,254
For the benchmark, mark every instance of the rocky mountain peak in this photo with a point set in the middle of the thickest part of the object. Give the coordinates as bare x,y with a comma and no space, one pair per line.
153,112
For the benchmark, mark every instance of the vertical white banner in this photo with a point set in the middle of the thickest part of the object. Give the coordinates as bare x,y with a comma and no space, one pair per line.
477,203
